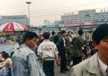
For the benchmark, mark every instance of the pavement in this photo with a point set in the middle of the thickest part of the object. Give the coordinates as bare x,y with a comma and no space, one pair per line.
57,72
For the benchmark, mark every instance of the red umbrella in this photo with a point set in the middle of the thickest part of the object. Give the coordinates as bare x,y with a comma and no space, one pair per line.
13,26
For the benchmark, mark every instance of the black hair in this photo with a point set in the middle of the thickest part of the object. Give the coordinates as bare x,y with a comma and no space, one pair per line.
62,32
84,43
80,32
5,55
46,35
100,33
69,32
53,33
29,35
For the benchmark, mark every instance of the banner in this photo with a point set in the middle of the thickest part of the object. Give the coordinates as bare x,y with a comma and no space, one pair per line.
70,24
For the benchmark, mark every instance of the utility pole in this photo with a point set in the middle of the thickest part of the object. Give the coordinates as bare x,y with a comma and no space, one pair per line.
29,11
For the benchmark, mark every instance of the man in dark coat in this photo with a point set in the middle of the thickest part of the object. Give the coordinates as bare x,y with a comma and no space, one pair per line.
62,53
77,44
69,48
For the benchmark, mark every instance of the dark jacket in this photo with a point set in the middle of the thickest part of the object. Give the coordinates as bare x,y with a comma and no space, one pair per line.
77,44
60,45
68,45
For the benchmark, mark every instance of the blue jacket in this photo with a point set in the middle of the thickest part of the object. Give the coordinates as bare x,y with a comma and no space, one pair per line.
60,45
25,63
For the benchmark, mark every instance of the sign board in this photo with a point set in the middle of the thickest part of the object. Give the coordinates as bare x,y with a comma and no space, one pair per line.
86,11
70,24
88,23
45,26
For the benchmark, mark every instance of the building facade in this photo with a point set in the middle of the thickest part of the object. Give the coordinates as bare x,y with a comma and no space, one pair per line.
46,22
14,18
86,17
88,20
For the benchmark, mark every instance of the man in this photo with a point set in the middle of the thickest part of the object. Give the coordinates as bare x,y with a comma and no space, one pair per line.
62,52
77,44
69,48
47,50
52,37
25,62
97,65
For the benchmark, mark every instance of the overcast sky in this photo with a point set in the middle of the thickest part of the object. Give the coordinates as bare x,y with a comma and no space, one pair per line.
48,9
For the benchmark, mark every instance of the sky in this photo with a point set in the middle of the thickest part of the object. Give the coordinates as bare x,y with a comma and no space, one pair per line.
51,10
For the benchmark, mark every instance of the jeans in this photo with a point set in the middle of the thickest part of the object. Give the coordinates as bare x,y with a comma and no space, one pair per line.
48,67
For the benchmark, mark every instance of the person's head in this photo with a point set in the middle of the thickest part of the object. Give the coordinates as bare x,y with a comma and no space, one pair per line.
58,33
84,44
46,35
8,37
100,41
80,32
69,33
53,33
5,55
87,40
63,33
29,39
100,33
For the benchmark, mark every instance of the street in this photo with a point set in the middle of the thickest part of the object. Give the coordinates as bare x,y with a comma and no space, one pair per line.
57,72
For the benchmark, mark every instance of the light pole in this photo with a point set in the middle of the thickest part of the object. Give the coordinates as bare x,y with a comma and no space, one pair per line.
29,11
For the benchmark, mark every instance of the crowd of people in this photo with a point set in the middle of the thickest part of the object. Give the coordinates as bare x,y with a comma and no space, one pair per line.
67,51
10,39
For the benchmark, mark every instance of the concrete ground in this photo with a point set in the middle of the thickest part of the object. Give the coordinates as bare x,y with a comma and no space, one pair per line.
57,72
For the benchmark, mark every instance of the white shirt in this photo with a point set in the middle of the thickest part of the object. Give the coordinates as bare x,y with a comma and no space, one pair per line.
70,38
47,49
103,67
64,42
